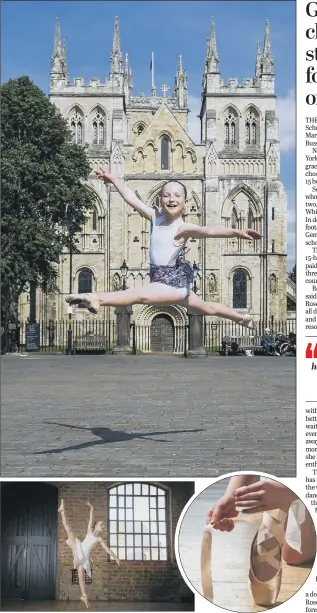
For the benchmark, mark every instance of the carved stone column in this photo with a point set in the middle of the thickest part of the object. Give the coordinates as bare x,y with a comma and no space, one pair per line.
123,346
196,335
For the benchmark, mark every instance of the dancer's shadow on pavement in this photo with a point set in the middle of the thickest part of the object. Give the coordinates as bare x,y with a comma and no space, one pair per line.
106,435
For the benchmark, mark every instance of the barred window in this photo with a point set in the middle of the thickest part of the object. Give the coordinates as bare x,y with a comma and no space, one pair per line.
137,515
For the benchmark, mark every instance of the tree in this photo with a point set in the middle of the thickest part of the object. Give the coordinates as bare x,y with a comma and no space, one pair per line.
43,171
292,274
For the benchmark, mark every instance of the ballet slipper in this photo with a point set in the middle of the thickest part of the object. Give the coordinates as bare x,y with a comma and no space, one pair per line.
91,301
61,506
205,556
266,592
84,599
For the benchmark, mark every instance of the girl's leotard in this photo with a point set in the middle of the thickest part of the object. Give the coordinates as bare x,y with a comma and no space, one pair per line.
83,549
167,259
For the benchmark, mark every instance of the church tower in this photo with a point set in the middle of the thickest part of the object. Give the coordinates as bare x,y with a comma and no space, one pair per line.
232,177
239,129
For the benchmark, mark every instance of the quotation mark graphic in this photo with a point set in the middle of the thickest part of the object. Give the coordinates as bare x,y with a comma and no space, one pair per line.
310,351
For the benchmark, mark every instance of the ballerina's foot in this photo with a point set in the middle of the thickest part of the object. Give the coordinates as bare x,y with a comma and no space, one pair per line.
90,301
85,601
61,506
247,322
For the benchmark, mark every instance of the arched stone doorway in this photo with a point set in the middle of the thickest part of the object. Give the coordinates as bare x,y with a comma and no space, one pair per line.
162,334
153,322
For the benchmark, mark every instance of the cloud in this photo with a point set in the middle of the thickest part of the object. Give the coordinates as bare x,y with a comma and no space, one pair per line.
285,108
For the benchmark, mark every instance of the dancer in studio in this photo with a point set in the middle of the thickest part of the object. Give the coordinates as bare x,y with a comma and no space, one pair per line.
286,532
170,274
82,549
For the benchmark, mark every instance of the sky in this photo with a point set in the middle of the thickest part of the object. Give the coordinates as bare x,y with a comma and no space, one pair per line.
169,29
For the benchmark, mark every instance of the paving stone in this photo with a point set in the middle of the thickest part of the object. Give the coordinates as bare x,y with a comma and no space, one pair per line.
141,416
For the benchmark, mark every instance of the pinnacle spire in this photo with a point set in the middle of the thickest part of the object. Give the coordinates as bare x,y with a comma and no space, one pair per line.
180,89
57,38
212,57
258,61
212,39
267,42
116,37
267,59
116,55
59,68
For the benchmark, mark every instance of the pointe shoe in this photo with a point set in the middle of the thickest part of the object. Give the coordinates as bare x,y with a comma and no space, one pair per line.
84,599
61,506
266,592
91,301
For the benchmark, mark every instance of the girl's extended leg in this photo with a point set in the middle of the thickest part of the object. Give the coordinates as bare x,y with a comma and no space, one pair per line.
70,535
81,580
153,293
216,309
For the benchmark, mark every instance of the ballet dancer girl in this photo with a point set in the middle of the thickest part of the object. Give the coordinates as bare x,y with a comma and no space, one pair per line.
170,274
82,549
286,532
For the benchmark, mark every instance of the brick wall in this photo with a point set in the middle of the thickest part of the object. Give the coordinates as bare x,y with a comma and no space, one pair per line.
138,581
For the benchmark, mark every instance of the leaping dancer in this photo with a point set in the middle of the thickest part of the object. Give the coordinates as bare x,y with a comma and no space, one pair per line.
81,549
170,274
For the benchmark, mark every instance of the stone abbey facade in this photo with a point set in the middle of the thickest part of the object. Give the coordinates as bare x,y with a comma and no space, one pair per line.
232,176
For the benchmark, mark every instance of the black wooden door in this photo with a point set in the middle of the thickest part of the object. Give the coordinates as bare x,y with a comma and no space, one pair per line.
28,544
162,334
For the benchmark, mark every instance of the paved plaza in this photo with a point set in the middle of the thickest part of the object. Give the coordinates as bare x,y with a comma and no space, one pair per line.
146,416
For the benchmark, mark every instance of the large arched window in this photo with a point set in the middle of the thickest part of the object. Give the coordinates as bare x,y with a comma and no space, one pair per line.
98,128
230,128
85,279
239,289
252,124
76,126
137,520
165,153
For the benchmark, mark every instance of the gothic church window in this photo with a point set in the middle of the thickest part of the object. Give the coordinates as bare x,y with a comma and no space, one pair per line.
85,278
76,126
251,128
164,153
140,129
98,128
138,522
230,129
239,289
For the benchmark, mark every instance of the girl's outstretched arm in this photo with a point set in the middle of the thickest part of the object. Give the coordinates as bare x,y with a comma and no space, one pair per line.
127,194
194,231
91,517
110,552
